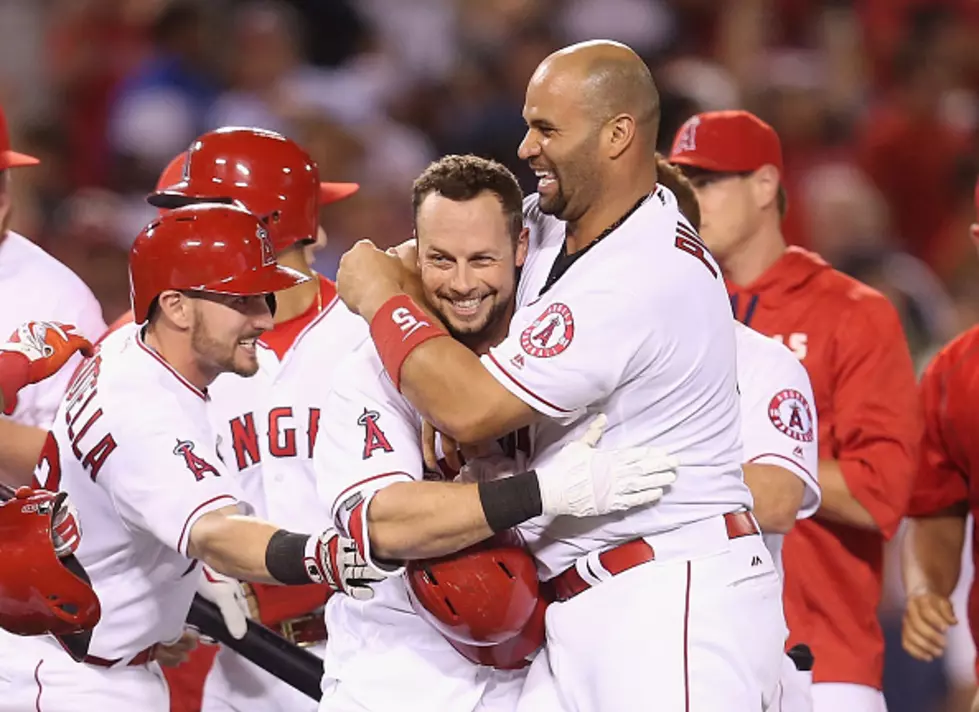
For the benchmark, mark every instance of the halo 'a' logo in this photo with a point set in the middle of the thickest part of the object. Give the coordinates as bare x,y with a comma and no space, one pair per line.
551,332
195,463
268,254
374,437
686,140
790,414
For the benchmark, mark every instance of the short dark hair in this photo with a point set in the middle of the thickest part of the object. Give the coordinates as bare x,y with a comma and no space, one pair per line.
462,178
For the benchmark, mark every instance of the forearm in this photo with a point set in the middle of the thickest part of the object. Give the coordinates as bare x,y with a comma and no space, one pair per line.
20,447
931,553
838,503
777,495
419,520
449,386
233,545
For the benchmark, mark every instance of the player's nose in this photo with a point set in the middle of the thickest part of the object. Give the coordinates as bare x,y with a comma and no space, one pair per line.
529,147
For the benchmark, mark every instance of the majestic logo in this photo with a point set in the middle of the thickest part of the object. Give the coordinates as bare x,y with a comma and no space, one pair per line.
790,414
195,463
687,138
551,332
268,254
374,437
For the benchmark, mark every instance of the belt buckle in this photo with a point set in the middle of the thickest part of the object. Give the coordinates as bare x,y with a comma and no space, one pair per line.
287,630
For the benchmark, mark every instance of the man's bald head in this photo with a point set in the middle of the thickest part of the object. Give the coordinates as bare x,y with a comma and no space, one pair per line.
610,78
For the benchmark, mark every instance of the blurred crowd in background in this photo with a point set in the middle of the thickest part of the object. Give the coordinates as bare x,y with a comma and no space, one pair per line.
876,103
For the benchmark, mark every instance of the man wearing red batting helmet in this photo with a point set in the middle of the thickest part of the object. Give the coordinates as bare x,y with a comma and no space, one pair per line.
268,425
133,447
849,338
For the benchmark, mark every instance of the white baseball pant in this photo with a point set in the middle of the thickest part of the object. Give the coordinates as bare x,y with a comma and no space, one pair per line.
36,674
235,684
836,696
795,689
699,629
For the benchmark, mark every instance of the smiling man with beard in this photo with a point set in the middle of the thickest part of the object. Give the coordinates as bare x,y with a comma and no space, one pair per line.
380,655
621,310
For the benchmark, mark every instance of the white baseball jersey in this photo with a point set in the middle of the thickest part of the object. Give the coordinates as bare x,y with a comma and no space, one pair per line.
778,420
133,446
639,328
268,425
380,654
36,287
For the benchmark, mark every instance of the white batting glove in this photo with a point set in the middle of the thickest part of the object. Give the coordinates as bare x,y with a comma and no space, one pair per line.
584,482
343,568
66,528
227,594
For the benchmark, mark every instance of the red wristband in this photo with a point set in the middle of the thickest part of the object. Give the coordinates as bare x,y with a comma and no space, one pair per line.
397,328
14,368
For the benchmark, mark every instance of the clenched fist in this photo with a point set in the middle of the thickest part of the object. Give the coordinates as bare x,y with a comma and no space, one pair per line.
927,617
367,277
37,350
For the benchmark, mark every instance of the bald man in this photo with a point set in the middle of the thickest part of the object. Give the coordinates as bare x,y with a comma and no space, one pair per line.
621,310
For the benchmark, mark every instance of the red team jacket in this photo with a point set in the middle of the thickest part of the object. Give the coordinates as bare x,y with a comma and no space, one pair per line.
950,450
849,338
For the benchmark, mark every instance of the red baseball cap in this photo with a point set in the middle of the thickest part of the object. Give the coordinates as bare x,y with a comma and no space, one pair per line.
726,142
8,158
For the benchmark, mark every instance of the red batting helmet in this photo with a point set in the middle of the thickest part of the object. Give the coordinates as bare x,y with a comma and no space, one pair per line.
207,247
40,593
266,172
512,654
480,596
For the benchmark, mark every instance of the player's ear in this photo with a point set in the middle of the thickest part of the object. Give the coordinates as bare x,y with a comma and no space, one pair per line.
177,308
974,234
522,241
765,182
619,133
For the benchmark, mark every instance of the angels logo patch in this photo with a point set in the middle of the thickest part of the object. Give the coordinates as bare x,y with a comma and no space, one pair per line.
790,413
551,332
374,437
195,463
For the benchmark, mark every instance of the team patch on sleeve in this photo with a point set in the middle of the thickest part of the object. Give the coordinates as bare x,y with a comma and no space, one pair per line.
550,333
790,413
195,463
374,437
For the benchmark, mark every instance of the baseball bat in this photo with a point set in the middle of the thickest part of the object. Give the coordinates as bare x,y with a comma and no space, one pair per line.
271,652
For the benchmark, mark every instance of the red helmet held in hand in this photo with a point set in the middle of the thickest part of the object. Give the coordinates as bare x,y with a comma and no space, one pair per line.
40,592
480,596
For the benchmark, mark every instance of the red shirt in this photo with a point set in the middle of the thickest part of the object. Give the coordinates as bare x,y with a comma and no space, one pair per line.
849,338
950,449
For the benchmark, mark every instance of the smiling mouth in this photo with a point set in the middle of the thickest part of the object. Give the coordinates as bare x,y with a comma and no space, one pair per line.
465,307
249,344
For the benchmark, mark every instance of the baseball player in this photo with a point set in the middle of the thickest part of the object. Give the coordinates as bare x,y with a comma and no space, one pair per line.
621,310
34,286
132,445
380,654
943,497
779,429
850,340
268,425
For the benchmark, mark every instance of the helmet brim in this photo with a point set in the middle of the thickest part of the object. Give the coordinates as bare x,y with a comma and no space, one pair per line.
176,196
265,280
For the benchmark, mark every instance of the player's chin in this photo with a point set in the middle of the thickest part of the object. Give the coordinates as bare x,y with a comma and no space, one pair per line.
244,363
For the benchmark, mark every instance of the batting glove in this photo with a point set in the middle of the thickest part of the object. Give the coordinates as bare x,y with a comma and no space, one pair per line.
583,482
340,565
37,350
228,595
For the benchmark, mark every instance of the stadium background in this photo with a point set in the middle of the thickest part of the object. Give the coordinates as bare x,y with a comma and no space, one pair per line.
876,102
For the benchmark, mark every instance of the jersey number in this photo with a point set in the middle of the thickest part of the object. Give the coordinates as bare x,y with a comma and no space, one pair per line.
688,241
